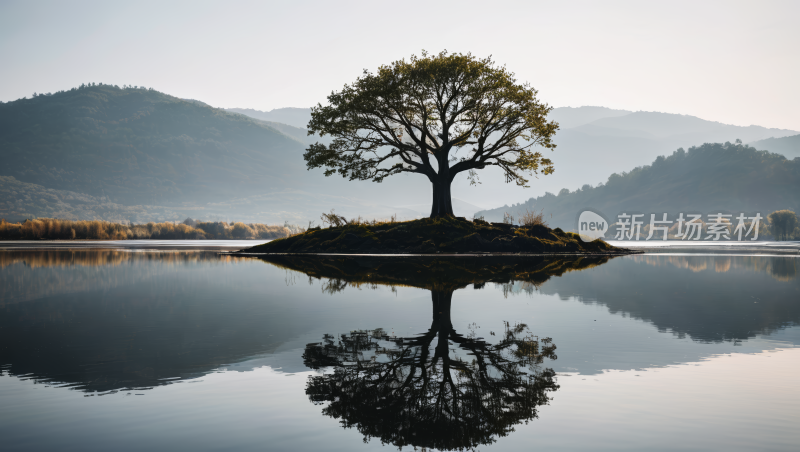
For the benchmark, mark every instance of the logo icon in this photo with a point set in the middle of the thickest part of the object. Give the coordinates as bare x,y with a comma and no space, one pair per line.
591,226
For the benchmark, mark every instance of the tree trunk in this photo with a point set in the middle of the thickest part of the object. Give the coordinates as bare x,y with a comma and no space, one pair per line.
442,204
441,321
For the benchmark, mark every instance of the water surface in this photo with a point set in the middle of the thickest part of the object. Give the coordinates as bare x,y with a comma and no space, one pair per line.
111,349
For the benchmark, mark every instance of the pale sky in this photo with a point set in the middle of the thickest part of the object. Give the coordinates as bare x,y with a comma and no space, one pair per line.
732,62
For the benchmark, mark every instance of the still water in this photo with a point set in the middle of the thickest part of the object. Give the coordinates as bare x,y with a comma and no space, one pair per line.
190,350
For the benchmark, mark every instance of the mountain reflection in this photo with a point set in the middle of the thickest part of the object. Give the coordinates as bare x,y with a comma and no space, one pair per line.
710,299
782,268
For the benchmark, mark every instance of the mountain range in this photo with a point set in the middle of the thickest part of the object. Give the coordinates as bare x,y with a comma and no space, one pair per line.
100,151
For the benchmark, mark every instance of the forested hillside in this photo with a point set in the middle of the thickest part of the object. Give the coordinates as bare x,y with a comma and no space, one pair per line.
139,146
706,179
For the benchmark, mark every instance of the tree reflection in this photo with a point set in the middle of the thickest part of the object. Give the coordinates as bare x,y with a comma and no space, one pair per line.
420,399
440,389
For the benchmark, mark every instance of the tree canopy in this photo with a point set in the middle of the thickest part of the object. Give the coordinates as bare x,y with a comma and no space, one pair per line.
435,115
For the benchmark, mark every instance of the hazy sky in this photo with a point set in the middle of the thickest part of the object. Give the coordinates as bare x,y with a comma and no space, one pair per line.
733,62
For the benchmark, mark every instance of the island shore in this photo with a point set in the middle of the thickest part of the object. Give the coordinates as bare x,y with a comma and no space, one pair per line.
446,235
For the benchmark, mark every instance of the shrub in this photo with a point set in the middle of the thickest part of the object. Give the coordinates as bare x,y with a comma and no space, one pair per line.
532,218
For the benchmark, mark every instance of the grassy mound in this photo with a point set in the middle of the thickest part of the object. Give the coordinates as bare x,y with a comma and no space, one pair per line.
435,235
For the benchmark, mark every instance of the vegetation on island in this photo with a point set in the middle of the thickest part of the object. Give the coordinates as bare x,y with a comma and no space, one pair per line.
437,116
54,229
434,235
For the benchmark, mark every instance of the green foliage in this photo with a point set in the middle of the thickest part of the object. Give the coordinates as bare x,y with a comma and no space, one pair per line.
435,115
706,179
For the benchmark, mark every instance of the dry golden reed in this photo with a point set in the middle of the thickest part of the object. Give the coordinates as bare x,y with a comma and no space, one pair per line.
54,229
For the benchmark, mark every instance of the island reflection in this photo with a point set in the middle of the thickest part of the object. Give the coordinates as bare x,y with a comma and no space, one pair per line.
439,389
104,320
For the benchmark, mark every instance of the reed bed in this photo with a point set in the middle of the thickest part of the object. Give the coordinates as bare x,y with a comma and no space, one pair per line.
55,229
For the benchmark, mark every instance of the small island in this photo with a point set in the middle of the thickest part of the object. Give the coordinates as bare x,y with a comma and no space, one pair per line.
449,235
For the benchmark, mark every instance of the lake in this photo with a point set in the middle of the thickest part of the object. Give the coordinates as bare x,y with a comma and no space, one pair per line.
186,349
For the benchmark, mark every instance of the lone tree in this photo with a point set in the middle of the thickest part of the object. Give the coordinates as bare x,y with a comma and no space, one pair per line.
436,115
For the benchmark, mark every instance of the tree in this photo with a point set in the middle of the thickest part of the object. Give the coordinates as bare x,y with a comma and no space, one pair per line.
435,115
782,224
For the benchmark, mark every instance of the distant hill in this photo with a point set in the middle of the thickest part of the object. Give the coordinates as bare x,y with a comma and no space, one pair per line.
137,146
591,152
569,117
296,117
789,147
21,200
682,127
707,179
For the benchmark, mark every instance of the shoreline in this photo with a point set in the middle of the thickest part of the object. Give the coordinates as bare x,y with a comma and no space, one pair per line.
233,247
480,254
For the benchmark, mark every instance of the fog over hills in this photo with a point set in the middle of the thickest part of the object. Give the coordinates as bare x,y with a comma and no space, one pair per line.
296,117
787,146
101,151
593,143
569,117
727,178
